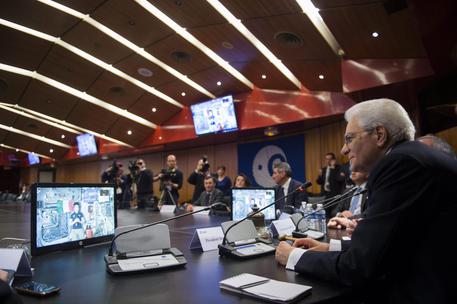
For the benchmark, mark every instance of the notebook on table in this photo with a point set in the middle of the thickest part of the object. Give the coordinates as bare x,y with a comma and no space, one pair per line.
265,289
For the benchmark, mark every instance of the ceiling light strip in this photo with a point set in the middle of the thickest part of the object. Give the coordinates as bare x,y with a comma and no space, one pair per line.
94,60
53,124
140,51
190,38
313,14
237,24
61,124
83,95
34,136
25,151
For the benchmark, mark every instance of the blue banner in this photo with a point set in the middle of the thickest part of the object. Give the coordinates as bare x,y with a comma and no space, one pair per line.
256,160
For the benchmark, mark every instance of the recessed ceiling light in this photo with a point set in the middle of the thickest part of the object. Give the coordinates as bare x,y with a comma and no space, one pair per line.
375,34
321,76
51,150
63,136
145,72
183,94
129,132
160,137
154,110
219,83
264,76
17,150
77,153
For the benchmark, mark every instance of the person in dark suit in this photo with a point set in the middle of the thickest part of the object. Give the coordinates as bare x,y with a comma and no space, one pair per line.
210,196
353,206
7,296
330,178
391,259
282,176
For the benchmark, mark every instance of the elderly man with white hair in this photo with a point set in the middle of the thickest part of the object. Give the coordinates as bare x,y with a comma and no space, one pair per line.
393,256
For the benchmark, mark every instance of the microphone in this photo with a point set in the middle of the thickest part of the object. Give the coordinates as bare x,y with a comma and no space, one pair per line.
330,202
302,187
123,255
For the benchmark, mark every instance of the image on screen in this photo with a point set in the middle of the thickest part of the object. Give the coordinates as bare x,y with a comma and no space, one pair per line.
33,158
68,214
86,144
214,116
243,199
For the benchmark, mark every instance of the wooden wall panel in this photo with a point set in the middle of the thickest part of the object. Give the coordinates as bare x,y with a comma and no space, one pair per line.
318,141
449,135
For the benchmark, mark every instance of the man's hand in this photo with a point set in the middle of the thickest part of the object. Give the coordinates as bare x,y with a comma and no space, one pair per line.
351,226
3,275
310,244
189,208
338,222
282,252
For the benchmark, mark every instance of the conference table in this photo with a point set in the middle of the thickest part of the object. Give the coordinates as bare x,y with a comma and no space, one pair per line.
83,278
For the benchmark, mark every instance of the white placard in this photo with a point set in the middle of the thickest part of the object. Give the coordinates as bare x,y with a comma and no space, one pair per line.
16,260
207,238
167,209
284,227
197,208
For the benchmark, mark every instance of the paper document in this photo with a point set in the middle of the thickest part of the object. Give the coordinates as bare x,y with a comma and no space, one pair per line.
243,280
255,248
155,261
277,290
197,208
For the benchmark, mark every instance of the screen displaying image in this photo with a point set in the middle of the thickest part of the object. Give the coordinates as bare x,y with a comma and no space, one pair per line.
214,116
33,158
243,199
67,214
86,144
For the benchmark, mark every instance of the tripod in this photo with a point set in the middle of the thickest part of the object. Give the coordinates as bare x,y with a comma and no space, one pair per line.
166,190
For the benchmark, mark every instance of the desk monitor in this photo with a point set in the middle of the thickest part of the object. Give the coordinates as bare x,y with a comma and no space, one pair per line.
66,216
243,198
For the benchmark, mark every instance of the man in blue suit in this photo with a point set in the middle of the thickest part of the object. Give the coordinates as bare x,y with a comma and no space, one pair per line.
391,259
282,176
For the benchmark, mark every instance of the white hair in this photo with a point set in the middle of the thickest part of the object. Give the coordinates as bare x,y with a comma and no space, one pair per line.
383,112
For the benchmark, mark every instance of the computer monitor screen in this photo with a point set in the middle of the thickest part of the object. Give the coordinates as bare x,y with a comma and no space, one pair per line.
86,144
214,116
66,216
33,158
244,198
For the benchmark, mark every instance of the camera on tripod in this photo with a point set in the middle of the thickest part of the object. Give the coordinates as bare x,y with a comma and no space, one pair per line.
133,168
205,166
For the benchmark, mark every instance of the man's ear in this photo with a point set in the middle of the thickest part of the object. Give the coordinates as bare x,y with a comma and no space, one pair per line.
381,136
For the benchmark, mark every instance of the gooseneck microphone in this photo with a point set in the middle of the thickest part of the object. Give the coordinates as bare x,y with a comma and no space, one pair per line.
302,187
327,203
110,253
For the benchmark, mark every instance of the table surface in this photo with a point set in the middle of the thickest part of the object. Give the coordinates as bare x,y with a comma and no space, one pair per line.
82,275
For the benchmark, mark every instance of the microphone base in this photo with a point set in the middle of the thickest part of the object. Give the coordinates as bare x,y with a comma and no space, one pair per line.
299,234
248,251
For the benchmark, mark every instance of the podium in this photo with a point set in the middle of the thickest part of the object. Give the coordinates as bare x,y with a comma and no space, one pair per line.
144,250
243,241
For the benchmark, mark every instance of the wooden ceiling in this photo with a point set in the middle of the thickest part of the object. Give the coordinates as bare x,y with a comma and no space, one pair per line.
304,51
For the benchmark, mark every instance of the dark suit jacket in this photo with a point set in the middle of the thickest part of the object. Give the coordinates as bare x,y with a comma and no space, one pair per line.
336,181
400,252
293,200
7,296
346,204
216,197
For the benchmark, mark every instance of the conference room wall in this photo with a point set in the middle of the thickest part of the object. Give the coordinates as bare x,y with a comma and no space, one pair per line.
318,141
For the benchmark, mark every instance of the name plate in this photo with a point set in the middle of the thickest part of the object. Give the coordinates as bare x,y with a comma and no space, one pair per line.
167,209
207,238
284,227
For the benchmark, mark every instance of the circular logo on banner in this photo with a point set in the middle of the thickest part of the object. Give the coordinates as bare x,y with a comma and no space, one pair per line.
262,167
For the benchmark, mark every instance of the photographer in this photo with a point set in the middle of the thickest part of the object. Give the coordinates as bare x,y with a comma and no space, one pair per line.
170,182
143,180
197,177
113,175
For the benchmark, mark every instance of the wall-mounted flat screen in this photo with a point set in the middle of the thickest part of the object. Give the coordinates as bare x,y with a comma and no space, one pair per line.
86,144
214,116
66,216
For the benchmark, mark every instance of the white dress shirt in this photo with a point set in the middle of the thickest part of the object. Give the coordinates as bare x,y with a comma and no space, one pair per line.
296,253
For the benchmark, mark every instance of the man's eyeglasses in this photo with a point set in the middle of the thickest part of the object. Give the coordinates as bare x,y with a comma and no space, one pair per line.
139,163
349,137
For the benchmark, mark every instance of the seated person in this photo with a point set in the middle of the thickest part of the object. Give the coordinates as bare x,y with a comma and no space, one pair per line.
285,185
241,181
7,296
208,197
223,183
352,206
